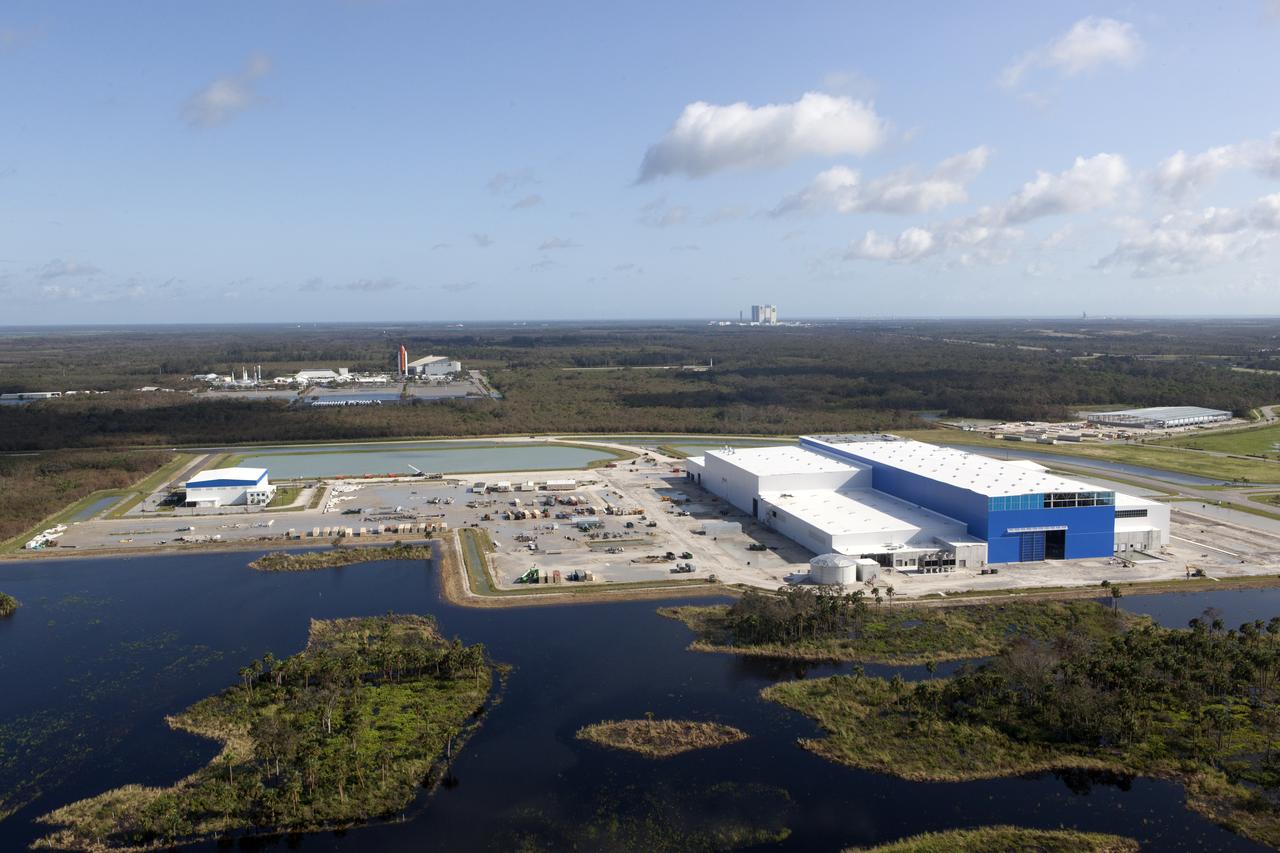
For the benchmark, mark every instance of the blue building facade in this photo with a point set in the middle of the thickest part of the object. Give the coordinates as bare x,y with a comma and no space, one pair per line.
1017,528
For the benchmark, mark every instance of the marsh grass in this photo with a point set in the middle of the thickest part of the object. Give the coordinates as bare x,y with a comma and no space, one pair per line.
660,738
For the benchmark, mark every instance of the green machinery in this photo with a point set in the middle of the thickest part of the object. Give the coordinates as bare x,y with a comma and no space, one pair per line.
531,576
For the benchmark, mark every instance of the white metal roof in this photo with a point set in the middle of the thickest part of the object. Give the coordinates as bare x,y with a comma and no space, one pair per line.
236,475
971,471
1166,413
428,359
786,459
843,512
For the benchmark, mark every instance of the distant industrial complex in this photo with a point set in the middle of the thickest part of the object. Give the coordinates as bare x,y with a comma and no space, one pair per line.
1160,417
909,504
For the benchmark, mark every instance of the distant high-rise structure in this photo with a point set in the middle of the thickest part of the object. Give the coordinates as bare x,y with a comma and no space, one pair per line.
765,315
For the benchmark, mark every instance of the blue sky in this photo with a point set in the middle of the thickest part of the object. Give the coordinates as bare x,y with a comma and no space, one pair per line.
304,161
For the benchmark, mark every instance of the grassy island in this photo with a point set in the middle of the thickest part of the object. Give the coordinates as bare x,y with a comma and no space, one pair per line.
660,738
1196,705
8,605
282,561
343,732
1006,839
818,623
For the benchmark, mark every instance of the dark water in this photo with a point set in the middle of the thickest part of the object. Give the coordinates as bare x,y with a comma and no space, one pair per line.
103,649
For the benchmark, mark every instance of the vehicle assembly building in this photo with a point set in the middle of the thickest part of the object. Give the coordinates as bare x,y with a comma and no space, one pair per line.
230,487
909,504
1159,417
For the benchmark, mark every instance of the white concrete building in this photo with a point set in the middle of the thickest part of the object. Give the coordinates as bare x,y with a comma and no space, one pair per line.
319,377
1141,524
434,365
230,487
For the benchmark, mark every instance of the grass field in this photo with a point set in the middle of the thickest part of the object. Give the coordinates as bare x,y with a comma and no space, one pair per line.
284,496
1183,461
1253,441
660,738
1006,839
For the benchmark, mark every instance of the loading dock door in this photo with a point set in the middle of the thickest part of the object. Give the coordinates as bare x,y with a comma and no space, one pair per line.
755,507
1055,545
1031,546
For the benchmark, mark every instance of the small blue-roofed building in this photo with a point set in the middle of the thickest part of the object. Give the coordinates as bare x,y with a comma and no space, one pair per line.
230,487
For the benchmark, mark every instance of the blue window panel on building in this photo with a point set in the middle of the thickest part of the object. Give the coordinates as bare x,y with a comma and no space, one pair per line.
1031,547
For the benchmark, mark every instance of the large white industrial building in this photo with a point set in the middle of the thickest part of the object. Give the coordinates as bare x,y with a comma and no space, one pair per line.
230,487
908,504
434,365
1160,417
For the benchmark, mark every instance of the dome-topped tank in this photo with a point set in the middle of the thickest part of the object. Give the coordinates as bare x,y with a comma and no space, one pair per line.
833,569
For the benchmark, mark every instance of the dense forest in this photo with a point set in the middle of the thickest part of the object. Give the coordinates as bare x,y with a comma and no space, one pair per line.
35,486
592,379
1198,705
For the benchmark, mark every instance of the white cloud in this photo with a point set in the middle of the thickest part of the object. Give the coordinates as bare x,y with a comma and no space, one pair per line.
507,183
1090,44
373,285
556,243
842,189
531,200
1182,174
708,138
59,268
659,214
911,245
728,213
988,235
1186,241
226,97
1089,184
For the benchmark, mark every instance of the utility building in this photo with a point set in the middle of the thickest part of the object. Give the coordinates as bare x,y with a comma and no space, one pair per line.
911,504
230,487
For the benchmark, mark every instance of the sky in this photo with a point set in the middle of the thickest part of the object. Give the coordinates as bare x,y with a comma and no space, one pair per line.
394,161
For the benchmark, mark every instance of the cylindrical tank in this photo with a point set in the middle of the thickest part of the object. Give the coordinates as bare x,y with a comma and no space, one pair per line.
833,569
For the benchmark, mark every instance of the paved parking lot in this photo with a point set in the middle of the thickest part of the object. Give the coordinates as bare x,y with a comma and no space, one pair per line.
642,511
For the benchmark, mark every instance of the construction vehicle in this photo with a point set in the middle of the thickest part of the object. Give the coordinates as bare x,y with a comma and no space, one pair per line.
530,576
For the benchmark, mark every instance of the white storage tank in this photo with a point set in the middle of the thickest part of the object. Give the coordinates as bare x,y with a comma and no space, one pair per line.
868,569
833,569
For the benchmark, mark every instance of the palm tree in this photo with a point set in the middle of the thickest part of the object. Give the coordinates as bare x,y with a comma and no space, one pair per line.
1115,596
890,592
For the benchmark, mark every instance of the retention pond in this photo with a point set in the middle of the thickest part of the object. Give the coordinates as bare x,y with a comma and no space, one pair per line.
103,649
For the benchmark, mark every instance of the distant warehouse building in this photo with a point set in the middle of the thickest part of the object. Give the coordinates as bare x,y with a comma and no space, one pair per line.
230,487
907,504
1159,417
434,365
